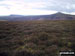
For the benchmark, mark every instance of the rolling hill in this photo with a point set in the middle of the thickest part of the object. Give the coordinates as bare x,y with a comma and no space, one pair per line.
56,16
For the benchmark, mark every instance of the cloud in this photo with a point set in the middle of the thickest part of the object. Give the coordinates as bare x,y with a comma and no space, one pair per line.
32,12
62,6
23,5
13,7
4,11
32,6
73,13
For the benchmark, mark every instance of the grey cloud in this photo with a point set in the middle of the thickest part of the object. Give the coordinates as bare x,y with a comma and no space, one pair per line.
61,5
56,5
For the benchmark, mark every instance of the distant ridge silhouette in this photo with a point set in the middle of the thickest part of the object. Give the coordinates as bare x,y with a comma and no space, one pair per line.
56,16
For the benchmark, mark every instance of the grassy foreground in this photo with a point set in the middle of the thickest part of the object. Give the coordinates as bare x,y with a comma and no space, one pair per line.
36,38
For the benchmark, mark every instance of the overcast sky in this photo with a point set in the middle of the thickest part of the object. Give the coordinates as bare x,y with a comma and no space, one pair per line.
36,7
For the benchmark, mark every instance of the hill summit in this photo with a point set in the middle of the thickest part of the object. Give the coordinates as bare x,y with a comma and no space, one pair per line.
56,16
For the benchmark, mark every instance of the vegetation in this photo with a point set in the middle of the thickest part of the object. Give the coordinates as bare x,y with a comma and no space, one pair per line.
36,38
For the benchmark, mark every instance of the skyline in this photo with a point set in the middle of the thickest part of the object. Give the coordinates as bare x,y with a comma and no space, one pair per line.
36,7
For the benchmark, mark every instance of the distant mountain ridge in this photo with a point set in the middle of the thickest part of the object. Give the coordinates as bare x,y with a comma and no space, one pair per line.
16,15
56,16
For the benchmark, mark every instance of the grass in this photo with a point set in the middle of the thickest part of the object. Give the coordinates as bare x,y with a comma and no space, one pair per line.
36,38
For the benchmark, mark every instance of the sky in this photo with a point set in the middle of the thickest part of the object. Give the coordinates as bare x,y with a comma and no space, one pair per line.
36,7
